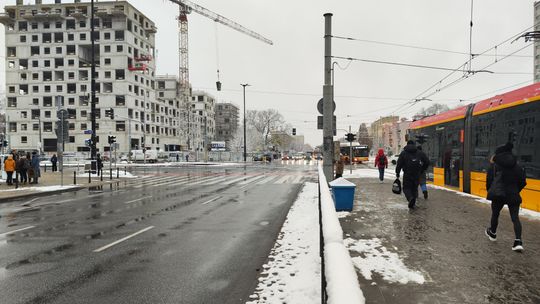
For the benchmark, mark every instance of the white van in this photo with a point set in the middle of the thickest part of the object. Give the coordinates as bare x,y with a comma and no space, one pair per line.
151,156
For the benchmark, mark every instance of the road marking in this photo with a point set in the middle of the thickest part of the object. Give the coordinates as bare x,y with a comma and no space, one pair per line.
28,203
266,180
136,200
251,180
10,232
123,239
237,179
209,201
297,179
282,180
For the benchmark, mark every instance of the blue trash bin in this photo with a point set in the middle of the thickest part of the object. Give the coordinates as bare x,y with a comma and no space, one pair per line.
343,193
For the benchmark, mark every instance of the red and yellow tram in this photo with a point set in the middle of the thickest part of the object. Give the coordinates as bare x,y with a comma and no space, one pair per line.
460,142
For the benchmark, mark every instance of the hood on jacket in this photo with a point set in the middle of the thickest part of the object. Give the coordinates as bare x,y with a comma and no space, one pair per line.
410,148
10,157
506,160
380,152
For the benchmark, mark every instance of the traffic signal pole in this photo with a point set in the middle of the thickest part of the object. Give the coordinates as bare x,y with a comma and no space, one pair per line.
350,152
328,92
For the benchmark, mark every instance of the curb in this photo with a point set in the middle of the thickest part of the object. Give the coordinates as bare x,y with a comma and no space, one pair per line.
39,194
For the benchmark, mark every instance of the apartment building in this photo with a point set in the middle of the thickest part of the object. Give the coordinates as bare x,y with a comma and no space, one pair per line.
203,107
48,58
226,122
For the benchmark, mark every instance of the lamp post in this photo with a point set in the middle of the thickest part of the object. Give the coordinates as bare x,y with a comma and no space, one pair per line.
244,85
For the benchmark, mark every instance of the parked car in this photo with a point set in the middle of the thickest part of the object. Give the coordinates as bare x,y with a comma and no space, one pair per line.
258,157
285,157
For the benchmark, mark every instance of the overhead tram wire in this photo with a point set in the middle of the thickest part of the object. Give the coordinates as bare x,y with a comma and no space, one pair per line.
422,48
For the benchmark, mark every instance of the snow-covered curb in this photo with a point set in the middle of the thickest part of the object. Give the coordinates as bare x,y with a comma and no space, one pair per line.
341,281
293,274
41,189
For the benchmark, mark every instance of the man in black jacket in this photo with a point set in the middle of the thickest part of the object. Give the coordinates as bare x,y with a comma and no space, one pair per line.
508,178
412,163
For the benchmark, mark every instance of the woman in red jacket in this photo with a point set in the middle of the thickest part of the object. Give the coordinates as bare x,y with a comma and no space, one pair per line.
381,162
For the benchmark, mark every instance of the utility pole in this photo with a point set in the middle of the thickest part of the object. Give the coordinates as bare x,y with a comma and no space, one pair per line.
350,153
245,147
93,150
328,92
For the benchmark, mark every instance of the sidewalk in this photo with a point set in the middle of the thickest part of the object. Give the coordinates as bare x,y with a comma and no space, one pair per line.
437,253
50,182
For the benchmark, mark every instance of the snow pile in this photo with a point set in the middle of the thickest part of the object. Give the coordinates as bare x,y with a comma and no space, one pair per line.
368,173
342,282
50,188
106,174
375,258
293,273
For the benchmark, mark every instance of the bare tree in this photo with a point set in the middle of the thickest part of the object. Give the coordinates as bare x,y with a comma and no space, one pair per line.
265,122
363,136
434,109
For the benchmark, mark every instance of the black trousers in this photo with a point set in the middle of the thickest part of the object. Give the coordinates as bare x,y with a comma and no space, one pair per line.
410,189
496,207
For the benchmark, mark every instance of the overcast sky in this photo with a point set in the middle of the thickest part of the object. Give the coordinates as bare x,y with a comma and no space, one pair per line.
289,75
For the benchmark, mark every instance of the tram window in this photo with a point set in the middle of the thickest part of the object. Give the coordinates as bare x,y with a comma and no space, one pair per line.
517,124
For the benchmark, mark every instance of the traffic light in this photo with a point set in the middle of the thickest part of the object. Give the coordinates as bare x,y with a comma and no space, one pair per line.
88,142
112,139
110,113
4,143
293,131
350,137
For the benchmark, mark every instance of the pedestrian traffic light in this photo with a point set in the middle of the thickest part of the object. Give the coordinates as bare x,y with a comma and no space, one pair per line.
293,131
88,142
350,137
112,139
110,113
4,143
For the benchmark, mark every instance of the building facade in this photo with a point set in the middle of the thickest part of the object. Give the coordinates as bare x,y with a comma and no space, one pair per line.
203,110
226,118
381,130
48,62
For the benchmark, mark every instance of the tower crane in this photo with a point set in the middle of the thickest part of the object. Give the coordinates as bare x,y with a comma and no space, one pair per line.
185,8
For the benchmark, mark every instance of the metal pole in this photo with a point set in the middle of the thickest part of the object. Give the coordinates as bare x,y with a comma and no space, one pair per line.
328,128
245,147
129,140
93,150
350,154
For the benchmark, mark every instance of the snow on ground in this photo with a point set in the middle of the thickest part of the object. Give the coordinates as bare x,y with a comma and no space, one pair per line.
369,173
293,273
375,258
41,188
106,174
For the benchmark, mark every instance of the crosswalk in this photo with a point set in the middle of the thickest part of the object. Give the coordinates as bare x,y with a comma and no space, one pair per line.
216,179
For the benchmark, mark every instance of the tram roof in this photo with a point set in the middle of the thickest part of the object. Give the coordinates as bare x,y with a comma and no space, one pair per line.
517,97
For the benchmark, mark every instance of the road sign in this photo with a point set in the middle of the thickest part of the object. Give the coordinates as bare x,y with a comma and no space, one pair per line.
63,113
320,106
87,131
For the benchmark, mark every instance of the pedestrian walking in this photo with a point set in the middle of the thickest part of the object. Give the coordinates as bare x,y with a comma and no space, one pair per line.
99,162
54,160
177,157
423,175
36,173
505,180
9,167
187,157
412,163
339,168
381,162
22,169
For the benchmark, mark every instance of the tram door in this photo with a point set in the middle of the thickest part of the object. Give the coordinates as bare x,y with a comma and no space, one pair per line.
451,156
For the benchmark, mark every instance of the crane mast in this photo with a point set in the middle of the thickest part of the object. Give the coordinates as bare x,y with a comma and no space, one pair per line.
185,8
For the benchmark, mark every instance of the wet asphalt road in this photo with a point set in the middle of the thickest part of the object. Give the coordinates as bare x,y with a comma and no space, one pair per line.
444,240
172,235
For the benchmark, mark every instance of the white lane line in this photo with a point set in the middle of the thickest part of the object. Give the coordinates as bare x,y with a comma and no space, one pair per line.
123,239
249,181
266,180
158,181
28,203
282,180
297,179
210,180
237,179
10,232
136,200
209,201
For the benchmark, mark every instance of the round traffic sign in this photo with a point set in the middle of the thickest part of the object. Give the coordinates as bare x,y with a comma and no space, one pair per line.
320,106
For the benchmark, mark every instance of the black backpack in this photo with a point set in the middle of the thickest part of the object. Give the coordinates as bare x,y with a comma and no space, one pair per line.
414,164
381,161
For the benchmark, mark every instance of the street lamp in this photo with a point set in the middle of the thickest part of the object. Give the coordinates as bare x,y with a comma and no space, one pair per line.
244,85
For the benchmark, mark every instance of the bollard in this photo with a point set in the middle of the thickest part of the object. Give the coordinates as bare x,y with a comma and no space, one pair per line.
100,175
117,173
45,167
125,170
74,177
110,173
89,176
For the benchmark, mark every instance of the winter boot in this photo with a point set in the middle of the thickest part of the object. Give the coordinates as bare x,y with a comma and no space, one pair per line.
518,245
412,203
425,194
492,236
